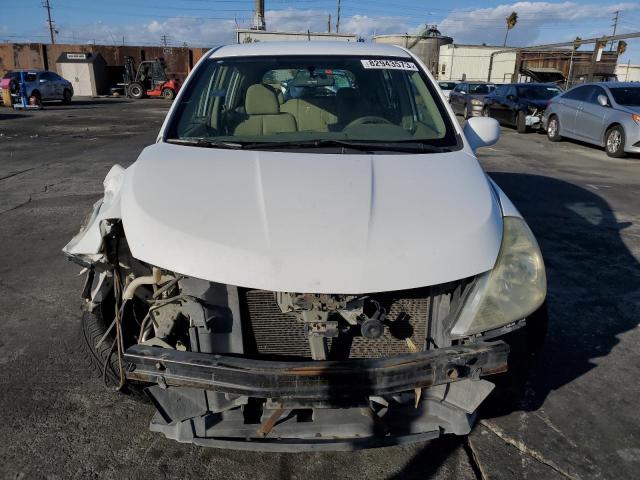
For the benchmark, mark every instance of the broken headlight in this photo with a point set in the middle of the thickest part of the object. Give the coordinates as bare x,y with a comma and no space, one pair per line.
512,290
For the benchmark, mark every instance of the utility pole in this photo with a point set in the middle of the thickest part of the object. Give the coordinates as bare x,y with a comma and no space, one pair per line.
329,24
165,39
338,19
47,5
615,27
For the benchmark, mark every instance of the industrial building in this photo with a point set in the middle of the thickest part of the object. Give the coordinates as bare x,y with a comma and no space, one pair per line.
628,72
503,65
426,45
253,35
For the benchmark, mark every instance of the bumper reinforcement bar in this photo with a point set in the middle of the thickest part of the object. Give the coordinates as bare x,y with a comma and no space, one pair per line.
314,380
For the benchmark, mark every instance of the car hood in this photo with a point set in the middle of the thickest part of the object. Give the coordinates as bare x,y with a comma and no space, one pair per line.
304,222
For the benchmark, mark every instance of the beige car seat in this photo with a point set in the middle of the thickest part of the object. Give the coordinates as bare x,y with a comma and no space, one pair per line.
262,107
309,116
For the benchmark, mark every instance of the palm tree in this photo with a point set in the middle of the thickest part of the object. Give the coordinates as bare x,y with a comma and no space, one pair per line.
511,22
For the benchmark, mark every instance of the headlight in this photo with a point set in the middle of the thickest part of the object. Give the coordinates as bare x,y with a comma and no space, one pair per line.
476,102
512,290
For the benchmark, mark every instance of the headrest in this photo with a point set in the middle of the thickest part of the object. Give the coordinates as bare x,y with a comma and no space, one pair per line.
261,100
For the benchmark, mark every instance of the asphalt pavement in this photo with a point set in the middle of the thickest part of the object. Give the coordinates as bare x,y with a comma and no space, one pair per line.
575,416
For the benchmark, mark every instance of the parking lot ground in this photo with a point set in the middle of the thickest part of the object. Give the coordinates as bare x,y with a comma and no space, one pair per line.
575,415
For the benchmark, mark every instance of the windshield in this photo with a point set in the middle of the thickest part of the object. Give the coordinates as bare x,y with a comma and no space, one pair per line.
447,85
538,92
260,101
481,88
626,95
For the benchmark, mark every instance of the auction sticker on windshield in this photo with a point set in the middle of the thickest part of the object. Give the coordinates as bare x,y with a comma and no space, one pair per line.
389,64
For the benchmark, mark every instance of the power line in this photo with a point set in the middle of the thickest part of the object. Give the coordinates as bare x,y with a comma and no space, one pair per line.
615,27
47,5
165,40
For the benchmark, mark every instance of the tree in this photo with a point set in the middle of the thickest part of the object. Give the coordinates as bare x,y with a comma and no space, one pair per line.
511,22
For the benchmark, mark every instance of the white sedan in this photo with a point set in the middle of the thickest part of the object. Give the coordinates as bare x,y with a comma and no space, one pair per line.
331,269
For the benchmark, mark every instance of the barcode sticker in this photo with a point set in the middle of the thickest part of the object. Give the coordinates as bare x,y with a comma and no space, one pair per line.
390,64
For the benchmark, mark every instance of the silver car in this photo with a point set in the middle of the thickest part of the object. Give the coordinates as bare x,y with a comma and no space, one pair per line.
467,98
605,114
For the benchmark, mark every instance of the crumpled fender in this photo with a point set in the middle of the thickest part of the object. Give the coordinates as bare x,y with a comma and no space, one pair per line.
87,244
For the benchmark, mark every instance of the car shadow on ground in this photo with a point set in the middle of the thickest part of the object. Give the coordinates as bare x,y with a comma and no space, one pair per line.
593,297
11,116
593,280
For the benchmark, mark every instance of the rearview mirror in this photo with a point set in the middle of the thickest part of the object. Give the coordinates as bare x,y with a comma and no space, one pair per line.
481,132
603,100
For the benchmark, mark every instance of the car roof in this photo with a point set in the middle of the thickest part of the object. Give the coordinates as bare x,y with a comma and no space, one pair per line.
28,70
478,82
609,84
309,48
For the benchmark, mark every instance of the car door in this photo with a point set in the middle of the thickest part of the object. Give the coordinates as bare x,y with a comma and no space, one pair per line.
568,107
58,85
456,96
590,117
507,103
502,112
492,100
46,86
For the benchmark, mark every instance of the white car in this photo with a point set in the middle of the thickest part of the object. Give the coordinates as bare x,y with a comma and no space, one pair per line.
329,271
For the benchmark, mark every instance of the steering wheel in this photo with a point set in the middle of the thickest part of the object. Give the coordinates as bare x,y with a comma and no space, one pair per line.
368,119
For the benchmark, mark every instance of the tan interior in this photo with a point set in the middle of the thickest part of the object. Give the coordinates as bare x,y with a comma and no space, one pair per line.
264,116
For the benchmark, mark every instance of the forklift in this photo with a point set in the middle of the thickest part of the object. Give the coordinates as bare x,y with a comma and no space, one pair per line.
148,80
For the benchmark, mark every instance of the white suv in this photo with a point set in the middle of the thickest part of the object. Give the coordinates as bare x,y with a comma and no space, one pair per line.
309,257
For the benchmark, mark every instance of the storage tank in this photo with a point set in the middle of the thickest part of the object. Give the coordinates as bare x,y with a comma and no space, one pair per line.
425,45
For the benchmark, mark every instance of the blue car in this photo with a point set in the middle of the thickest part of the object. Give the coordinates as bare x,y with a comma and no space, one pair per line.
42,85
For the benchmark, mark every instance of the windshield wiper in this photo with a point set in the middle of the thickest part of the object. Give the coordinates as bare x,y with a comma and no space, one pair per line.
206,142
411,146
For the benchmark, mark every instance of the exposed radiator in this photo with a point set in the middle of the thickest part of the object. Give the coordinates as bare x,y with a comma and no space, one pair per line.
268,331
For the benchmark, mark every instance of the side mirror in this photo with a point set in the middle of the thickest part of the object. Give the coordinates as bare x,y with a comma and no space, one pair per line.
603,100
481,132
511,97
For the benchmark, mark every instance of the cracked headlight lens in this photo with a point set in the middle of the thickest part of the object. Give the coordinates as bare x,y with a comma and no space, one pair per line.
515,287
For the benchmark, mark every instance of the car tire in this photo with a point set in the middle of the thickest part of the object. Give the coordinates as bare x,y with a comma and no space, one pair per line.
521,122
553,129
614,141
135,91
66,96
103,359
465,112
168,94
35,99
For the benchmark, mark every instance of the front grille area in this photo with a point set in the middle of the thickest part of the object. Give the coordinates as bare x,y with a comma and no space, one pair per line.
269,332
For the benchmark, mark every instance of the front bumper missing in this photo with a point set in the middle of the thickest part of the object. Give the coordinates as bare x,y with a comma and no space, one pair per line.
314,380
323,405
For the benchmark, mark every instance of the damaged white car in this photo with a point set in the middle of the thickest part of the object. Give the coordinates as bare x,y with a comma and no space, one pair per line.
310,257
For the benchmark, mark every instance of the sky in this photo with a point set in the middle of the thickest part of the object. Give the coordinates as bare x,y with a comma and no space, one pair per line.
208,23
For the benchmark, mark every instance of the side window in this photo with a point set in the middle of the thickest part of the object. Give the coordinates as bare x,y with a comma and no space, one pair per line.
511,91
579,93
30,77
46,76
595,91
501,91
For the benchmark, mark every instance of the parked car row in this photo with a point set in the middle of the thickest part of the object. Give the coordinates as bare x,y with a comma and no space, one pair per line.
606,114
